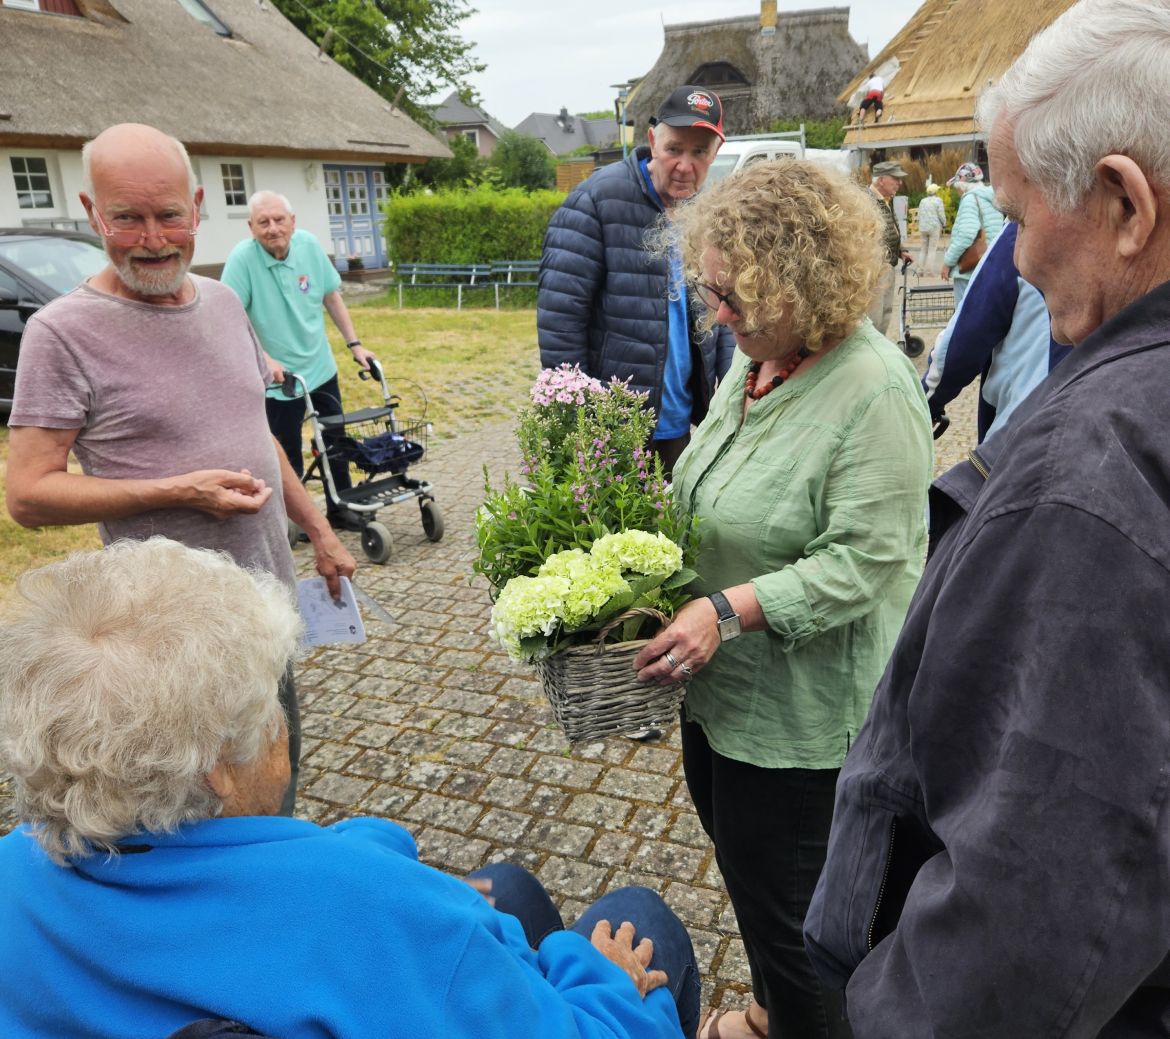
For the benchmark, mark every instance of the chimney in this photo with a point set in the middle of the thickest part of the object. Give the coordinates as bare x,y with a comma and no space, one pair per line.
565,121
767,17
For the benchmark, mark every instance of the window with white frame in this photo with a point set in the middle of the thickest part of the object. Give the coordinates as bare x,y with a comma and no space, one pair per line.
359,194
34,189
24,5
235,184
472,136
333,200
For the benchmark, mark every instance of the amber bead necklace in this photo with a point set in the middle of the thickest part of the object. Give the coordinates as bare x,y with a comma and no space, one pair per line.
749,386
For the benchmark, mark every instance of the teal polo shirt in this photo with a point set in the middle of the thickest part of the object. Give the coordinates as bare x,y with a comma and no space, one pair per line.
283,299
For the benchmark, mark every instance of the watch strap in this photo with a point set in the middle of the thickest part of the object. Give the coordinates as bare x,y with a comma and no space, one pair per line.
723,608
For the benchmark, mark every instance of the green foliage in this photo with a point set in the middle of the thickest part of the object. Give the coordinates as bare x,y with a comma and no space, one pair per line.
469,226
413,43
604,113
818,133
520,161
464,170
550,549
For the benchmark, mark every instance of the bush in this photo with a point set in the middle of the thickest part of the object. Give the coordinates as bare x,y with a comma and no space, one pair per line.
818,133
520,161
469,226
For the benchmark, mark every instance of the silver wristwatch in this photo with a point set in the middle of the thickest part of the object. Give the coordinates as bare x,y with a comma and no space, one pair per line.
728,619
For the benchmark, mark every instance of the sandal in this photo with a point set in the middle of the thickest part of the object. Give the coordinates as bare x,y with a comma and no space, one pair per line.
710,1021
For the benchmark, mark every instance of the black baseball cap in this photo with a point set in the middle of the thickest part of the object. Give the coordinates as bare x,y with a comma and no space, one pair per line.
692,106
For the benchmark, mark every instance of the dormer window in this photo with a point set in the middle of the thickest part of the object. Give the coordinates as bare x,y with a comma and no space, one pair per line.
716,74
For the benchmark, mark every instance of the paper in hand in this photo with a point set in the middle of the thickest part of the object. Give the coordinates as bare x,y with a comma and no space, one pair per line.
328,620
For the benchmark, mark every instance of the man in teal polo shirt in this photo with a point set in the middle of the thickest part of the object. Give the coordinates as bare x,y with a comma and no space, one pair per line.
284,279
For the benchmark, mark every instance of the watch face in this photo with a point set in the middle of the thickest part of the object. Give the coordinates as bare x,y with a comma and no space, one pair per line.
729,627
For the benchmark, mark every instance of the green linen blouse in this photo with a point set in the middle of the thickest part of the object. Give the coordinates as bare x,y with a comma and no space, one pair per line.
819,500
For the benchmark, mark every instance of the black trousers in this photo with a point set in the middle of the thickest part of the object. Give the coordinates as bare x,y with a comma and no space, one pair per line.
770,828
292,717
285,418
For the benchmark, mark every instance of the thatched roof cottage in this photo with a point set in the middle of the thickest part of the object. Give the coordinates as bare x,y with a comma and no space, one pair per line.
250,96
763,67
947,53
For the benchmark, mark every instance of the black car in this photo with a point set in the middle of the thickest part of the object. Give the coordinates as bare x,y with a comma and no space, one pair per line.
36,266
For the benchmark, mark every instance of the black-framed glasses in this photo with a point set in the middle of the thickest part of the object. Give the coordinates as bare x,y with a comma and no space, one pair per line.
711,297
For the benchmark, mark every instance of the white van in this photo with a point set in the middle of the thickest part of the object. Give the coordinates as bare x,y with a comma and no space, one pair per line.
737,152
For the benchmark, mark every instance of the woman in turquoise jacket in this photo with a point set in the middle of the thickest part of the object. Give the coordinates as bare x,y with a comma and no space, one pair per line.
976,212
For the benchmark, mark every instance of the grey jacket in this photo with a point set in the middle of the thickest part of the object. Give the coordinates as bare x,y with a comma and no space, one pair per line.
999,863
602,299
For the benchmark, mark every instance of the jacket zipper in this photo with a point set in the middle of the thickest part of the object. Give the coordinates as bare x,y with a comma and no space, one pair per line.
882,887
981,466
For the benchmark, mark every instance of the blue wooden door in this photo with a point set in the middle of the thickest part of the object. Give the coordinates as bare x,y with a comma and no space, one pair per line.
353,195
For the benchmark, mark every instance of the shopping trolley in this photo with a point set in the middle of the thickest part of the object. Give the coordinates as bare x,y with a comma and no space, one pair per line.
922,305
375,442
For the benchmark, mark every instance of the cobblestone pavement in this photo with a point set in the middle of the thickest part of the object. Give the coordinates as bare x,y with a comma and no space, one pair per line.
428,723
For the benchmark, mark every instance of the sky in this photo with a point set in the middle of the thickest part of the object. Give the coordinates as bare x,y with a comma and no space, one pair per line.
542,54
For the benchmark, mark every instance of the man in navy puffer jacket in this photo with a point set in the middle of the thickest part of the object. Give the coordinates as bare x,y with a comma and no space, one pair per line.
604,302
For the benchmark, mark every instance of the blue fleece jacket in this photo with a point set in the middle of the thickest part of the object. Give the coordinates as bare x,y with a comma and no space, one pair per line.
303,932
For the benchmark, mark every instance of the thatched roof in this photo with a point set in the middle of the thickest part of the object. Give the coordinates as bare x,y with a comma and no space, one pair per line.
949,51
262,91
795,72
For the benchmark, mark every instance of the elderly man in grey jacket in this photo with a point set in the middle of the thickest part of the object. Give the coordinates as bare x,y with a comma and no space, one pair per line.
999,864
605,304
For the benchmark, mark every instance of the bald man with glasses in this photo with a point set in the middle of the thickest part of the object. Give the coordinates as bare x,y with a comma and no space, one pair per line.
153,378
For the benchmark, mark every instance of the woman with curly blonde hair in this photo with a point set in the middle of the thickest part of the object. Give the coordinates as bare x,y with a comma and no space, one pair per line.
809,476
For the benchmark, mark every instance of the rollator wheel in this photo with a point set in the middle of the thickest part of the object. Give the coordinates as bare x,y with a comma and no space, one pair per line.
376,542
913,346
432,520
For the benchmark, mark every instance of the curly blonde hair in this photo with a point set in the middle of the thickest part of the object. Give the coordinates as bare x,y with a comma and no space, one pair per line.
799,245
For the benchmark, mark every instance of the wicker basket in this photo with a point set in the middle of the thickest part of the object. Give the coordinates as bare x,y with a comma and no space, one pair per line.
595,692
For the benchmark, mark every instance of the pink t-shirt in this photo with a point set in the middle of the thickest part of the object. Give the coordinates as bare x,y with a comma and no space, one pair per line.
159,391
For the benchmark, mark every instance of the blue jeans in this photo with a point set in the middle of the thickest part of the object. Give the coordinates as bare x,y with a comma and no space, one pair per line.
518,893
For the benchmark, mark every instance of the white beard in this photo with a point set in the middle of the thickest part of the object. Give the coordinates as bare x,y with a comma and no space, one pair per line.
147,282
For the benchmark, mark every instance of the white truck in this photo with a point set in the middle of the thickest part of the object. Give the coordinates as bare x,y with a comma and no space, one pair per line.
738,151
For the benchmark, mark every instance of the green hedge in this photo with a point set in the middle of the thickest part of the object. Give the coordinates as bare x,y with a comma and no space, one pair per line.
476,226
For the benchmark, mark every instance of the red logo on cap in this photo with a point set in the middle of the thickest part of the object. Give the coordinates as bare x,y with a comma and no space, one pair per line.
700,101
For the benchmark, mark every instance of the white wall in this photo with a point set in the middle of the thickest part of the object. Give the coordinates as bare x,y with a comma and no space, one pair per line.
221,225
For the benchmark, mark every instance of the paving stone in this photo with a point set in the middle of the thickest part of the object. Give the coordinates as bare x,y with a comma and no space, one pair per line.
561,838
463,725
573,879
381,711
609,812
327,755
697,907
325,726
340,789
565,771
511,761
638,786
453,852
650,822
668,860
509,793
449,813
427,774
465,783
500,826
512,734
613,849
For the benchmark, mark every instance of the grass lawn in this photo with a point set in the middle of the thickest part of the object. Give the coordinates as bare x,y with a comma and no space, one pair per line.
472,366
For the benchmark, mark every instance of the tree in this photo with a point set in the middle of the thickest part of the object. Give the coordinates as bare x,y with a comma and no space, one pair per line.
464,170
520,161
403,49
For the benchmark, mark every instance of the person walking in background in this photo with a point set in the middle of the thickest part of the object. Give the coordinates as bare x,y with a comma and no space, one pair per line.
809,480
977,224
999,864
932,222
886,180
154,378
999,334
875,92
603,303
286,283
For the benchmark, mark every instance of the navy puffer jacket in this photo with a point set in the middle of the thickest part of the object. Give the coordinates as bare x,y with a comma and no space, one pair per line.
602,298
